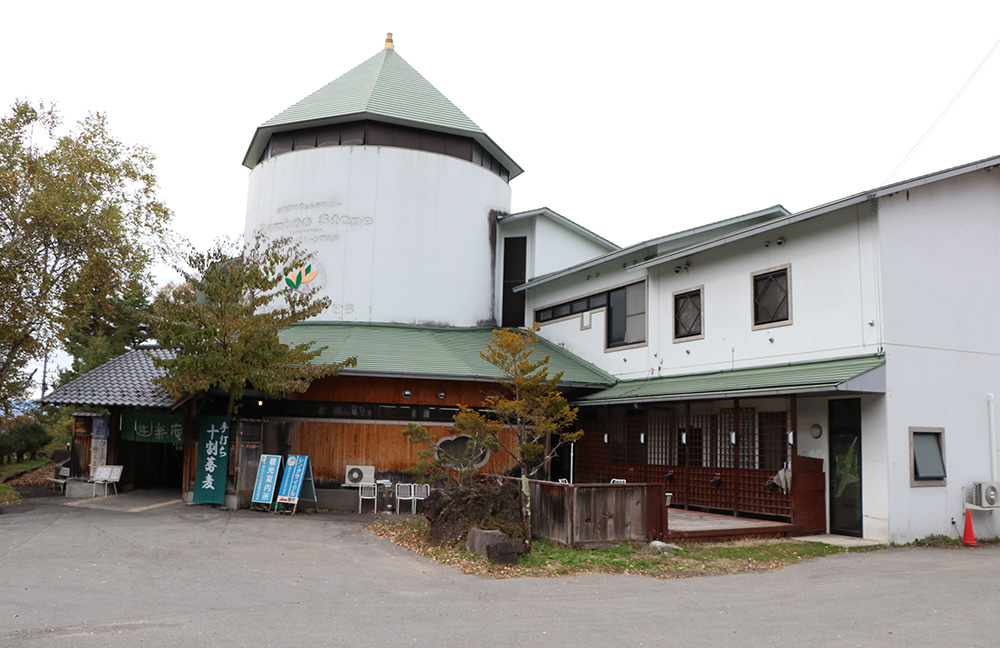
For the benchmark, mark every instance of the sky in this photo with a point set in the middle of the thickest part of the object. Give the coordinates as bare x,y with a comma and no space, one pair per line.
634,119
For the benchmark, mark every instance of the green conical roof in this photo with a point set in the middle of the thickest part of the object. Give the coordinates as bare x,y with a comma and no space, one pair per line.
384,88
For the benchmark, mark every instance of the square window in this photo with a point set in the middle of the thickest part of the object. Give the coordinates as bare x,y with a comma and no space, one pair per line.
927,459
688,315
772,298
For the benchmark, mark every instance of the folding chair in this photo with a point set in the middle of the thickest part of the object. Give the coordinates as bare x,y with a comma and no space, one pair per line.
368,491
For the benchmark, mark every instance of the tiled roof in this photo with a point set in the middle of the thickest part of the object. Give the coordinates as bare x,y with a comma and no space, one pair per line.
126,381
384,88
396,349
381,349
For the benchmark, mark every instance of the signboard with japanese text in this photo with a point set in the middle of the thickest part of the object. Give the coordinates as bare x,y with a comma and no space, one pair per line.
296,469
213,460
153,427
267,479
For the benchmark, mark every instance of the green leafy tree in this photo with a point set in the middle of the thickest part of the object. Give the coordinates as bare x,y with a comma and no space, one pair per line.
530,406
78,213
223,321
28,438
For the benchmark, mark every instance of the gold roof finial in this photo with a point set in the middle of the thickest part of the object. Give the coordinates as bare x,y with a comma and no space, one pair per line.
388,41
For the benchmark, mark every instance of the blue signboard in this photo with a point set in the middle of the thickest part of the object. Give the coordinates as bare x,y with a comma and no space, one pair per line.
291,484
267,478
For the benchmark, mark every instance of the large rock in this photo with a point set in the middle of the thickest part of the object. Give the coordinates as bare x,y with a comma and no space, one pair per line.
494,545
479,539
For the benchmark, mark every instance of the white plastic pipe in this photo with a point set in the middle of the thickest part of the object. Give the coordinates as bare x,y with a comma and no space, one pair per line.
991,406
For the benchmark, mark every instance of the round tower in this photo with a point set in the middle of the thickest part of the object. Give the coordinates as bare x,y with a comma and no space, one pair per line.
395,191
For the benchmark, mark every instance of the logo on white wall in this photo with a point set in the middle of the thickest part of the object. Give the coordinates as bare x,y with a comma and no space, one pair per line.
300,280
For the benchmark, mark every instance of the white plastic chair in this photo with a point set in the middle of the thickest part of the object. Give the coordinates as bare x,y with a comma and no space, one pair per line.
420,491
404,492
617,481
368,491
412,492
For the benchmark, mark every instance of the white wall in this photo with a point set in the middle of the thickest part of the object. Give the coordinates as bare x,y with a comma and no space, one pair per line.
834,302
399,235
559,247
940,256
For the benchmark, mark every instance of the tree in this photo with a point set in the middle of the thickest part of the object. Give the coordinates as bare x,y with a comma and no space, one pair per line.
530,407
28,438
223,321
453,463
78,212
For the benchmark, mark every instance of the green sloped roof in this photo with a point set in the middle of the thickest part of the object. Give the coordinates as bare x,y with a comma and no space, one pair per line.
383,88
669,246
843,374
439,352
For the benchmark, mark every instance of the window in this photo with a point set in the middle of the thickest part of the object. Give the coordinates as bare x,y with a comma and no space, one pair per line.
515,264
772,298
927,457
462,452
627,315
626,312
687,315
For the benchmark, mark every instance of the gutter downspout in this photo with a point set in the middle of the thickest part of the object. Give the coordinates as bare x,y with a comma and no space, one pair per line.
991,407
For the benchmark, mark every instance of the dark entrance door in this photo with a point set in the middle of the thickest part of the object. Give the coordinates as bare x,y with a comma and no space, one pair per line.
845,467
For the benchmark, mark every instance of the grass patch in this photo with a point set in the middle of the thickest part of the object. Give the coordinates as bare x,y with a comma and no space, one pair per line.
11,469
8,495
552,560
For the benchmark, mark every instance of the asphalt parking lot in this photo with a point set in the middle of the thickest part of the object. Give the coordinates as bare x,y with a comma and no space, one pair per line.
146,569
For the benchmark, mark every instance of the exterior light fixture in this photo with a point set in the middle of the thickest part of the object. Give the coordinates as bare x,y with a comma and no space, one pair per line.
407,393
815,431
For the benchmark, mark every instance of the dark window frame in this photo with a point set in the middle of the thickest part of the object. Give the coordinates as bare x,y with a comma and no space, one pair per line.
612,300
927,467
681,299
770,280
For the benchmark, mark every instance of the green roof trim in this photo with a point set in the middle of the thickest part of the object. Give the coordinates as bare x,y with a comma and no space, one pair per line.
863,374
384,88
427,351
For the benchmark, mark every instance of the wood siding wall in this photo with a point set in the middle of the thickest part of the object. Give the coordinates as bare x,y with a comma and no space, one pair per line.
694,457
582,515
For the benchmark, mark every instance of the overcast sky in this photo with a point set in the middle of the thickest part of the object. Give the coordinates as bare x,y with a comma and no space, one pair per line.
635,119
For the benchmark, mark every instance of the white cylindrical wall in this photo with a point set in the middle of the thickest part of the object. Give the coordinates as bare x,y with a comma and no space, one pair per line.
397,235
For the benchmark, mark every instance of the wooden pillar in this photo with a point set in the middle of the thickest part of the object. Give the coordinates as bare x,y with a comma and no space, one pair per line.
736,457
687,455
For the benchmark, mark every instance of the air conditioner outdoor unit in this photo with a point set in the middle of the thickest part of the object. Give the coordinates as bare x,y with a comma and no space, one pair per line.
986,494
355,475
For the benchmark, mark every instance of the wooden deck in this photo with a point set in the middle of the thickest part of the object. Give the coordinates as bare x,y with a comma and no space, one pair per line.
697,525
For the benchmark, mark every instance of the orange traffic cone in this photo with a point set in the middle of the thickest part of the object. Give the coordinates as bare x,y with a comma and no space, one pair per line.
969,537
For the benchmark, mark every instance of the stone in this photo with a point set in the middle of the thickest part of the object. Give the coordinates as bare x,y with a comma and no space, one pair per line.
479,540
508,552
656,545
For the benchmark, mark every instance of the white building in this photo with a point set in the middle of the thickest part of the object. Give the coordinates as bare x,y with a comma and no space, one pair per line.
867,321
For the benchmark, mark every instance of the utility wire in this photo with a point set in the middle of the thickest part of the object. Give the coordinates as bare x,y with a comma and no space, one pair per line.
944,112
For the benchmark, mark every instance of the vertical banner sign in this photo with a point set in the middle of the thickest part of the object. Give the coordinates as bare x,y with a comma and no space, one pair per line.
213,460
98,443
291,483
267,478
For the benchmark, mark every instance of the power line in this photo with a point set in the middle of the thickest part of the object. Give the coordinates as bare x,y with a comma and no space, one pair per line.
944,112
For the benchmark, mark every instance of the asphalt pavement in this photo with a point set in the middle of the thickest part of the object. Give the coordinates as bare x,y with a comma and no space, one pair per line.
146,569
